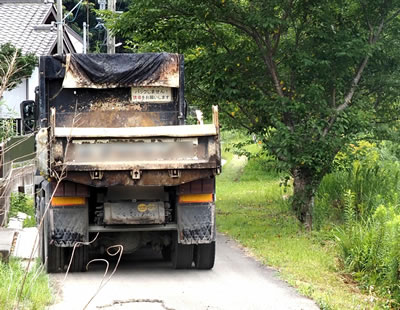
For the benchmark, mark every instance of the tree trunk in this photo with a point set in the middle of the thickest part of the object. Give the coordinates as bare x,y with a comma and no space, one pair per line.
304,187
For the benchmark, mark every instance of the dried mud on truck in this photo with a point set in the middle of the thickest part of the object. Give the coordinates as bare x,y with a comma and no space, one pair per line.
117,163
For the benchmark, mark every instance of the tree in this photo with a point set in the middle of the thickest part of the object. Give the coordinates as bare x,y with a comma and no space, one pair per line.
14,67
307,76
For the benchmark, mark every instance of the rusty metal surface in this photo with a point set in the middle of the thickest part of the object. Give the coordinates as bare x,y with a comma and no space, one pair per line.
155,172
137,165
148,178
70,189
111,153
135,154
198,187
108,108
115,118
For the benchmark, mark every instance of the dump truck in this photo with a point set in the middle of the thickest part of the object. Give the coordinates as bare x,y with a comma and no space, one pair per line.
117,163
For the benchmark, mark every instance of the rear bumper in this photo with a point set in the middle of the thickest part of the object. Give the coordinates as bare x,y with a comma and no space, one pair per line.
131,228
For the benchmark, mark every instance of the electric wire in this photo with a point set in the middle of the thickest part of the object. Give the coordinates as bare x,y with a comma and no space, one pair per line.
76,14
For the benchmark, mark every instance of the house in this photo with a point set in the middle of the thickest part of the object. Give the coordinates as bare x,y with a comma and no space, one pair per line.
30,25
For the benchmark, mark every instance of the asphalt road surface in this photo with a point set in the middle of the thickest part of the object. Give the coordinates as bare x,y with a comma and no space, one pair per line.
145,282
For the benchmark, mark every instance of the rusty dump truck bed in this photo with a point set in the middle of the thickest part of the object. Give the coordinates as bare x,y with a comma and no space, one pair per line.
120,119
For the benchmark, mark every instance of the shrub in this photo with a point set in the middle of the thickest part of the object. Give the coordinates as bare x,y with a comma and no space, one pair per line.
363,151
22,203
373,178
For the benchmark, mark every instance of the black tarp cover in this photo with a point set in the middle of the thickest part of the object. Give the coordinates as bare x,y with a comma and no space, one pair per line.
121,70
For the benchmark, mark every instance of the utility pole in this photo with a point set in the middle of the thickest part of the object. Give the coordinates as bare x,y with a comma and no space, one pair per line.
84,37
110,37
87,29
60,33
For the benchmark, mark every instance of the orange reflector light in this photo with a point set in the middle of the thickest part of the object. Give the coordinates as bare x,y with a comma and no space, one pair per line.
67,201
194,198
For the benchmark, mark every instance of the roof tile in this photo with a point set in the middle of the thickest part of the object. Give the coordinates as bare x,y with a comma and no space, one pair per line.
17,24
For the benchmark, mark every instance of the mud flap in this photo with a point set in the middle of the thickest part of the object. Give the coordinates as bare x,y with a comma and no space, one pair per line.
196,223
69,225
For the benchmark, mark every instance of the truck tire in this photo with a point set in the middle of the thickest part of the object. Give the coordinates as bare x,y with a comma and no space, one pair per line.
55,259
204,256
39,202
79,260
181,255
53,256
166,253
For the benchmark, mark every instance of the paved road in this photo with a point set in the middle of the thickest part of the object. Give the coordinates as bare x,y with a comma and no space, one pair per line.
236,282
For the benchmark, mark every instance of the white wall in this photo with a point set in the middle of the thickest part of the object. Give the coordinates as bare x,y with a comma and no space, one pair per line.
33,82
78,45
12,99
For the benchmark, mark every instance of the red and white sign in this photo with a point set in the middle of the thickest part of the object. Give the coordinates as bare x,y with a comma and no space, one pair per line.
151,94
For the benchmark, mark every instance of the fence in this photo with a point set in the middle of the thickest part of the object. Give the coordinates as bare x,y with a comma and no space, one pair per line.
17,170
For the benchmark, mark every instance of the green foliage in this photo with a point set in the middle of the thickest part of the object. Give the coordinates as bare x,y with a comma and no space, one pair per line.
307,77
370,251
362,150
261,162
23,67
36,293
369,174
7,129
22,203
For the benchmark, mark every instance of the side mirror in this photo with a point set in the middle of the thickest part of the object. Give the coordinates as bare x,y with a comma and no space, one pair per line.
28,116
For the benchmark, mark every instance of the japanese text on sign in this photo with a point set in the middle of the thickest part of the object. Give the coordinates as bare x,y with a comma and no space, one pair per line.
151,94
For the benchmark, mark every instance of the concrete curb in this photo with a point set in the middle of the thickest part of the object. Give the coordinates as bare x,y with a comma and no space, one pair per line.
7,238
25,243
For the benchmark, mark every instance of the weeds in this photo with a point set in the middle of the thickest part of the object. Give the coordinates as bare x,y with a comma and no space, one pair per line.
36,294
370,251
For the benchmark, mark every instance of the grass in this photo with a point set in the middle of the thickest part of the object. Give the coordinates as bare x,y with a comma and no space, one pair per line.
253,209
36,294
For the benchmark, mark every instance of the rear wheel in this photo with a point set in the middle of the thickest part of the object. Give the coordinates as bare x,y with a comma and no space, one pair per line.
79,260
204,256
55,259
181,255
39,208
166,253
